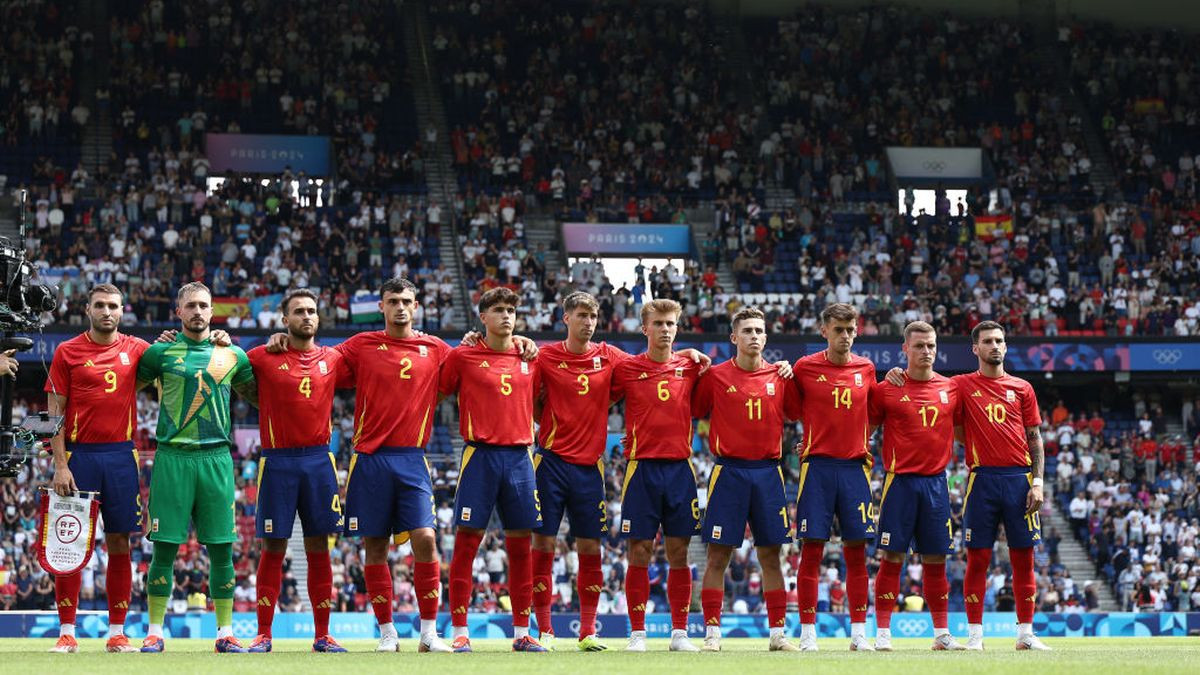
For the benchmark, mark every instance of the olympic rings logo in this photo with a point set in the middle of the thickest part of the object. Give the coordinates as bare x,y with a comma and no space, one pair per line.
1168,356
910,627
935,166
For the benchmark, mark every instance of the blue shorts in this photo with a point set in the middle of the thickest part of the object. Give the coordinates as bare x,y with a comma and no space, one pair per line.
297,480
110,469
742,490
659,492
388,492
576,489
831,486
996,494
497,477
915,512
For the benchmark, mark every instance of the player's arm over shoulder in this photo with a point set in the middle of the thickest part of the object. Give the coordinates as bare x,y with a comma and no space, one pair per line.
243,377
150,364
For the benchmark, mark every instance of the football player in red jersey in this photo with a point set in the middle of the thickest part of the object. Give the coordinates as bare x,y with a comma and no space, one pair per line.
297,471
495,401
918,443
93,383
748,401
835,473
660,482
1001,429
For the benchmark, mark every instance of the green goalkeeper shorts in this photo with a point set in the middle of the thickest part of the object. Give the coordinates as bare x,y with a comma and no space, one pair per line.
191,485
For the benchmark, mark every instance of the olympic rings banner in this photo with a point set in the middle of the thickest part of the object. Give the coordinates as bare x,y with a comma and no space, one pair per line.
1025,355
352,626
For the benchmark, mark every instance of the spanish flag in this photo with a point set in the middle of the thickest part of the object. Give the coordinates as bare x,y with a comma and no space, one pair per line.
225,307
986,227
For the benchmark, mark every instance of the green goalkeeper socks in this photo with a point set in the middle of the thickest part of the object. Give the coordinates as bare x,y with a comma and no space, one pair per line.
221,581
159,579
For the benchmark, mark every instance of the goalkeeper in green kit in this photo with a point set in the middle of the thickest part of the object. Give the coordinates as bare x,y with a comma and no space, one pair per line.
193,470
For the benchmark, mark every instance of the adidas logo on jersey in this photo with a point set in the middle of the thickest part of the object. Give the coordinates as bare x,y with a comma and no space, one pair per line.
65,602
643,376
821,378
326,604
562,365
89,364
971,598
459,610
539,587
888,596
178,361
484,364
381,348
977,394
432,595
160,580
284,366
905,398
731,390
121,605
264,602
595,588
379,600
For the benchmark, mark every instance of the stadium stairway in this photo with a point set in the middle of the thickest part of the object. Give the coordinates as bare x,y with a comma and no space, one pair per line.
1075,557
704,227
1103,178
98,135
543,229
299,566
439,169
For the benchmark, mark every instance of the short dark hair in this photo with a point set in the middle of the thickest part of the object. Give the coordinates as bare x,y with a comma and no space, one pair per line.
982,326
747,313
297,293
580,299
500,295
838,311
397,285
104,288
189,288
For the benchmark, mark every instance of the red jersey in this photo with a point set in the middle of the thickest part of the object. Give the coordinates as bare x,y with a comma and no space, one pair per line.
748,410
396,388
995,412
295,395
918,424
100,385
658,406
495,394
576,392
835,412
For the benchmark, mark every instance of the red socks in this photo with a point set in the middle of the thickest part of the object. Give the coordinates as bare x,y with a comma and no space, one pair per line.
66,595
806,579
679,595
711,600
975,582
1024,583
269,578
857,583
887,586
117,585
379,590
543,588
591,582
320,590
466,546
427,580
520,578
637,593
937,592
776,602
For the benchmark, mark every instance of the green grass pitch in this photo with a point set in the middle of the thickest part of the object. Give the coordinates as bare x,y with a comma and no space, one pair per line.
1095,656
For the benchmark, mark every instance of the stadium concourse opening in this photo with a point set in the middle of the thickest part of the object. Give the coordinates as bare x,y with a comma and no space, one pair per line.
291,189
627,272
